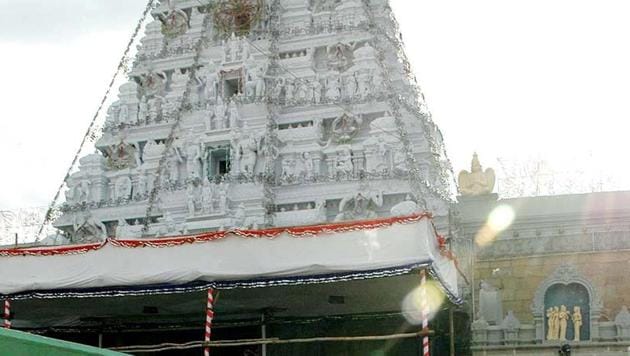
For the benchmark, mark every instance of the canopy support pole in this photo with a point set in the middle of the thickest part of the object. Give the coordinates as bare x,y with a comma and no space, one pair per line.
209,318
7,314
424,306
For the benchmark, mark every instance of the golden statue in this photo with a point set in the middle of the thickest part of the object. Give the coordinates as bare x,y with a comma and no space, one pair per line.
477,181
550,324
577,323
563,318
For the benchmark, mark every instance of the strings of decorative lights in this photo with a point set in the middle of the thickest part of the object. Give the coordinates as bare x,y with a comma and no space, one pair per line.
184,105
271,136
419,109
92,131
419,186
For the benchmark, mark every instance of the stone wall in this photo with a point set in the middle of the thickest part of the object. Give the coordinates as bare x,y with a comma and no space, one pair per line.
520,277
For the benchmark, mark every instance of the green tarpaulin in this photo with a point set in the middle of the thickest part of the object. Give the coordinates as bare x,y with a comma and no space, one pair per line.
17,343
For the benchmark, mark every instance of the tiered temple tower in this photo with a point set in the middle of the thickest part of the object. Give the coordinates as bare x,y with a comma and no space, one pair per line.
252,113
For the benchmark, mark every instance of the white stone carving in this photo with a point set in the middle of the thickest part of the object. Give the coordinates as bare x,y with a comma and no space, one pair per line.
360,206
296,151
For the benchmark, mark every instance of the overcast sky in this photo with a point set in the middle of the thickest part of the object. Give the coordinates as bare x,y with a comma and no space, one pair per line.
506,78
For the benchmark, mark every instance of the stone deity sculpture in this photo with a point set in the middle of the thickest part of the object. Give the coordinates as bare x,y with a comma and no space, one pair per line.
260,83
359,206
233,113
191,198
490,304
219,114
207,196
317,90
247,154
143,110
122,188
223,197
194,153
477,181
123,114
577,322
563,318
550,324
174,160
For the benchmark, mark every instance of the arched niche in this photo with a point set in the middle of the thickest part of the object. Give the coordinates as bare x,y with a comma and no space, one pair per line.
563,284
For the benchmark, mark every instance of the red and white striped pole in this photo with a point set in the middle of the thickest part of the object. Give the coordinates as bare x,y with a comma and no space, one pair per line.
209,317
7,314
424,306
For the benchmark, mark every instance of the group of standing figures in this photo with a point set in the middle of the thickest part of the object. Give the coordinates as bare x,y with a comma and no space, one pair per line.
558,320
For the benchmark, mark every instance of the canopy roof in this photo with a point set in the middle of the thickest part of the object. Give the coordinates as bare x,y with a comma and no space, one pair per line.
231,259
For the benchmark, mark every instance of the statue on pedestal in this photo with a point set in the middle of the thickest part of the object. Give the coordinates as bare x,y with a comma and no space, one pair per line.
563,318
207,196
577,322
477,181
490,304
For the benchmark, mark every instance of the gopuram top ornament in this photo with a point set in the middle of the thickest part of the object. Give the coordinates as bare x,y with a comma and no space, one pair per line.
237,16
477,181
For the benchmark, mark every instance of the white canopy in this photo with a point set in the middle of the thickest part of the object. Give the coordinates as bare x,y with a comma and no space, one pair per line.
231,259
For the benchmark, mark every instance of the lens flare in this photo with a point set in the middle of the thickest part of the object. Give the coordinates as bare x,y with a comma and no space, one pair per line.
412,304
499,219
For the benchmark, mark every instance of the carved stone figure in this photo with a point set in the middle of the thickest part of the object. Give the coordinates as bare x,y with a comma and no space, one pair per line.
363,83
322,211
122,188
555,323
511,322
405,208
277,89
344,163
563,317
577,323
141,184
194,155
155,109
191,199
84,191
350,87
123,114
317,90
260,83
308,166
477,181
288,170
399,160
123,155
333,88
175,23
289,90
360,206
240,216
86,228
174,160
207,196
247,153
490,304
223,197
551,324
338,56
345,128
219,114
122,229
234,116
152,84
143,110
